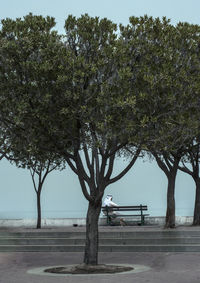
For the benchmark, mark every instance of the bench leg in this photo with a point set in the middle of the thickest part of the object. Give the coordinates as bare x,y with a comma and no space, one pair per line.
142,220
109,220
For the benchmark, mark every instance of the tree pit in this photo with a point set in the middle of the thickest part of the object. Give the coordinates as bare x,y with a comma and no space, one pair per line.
89,269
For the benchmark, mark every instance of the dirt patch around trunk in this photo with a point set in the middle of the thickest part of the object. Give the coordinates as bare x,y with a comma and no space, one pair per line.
92,270
89,269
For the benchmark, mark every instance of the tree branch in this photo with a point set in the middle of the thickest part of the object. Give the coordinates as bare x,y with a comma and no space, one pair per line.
126,169
80,168
74,169
185,169
32,172
90,168
116,148
96,158
110,167
84,189
161,164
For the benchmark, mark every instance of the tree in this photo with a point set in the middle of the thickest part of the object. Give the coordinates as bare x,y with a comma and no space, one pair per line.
29,54
185,124
39,169
42,170
166,98
101,111
190,165
69,98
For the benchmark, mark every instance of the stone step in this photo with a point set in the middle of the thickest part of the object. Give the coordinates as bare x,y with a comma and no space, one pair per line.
102,248
41,234
110,241
109,234
103,241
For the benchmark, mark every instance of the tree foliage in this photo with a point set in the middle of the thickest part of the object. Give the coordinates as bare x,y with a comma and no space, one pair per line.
168,60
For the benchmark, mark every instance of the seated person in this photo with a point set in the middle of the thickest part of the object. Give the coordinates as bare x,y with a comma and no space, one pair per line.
112,214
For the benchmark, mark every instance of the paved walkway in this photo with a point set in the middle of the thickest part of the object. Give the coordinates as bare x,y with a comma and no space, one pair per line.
164,267
101,228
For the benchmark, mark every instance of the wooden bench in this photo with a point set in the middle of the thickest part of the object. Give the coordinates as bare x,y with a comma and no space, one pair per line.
130,209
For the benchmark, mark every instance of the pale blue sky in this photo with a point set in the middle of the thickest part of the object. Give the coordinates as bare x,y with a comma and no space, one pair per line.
117,10
145,183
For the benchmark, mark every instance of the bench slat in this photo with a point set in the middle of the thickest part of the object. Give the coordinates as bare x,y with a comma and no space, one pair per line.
132,207
122,209
139,208
120,215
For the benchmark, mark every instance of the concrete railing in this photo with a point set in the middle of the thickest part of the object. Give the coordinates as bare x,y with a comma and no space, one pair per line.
61,222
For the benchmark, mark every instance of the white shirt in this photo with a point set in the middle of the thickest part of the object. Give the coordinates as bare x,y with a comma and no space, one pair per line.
108,201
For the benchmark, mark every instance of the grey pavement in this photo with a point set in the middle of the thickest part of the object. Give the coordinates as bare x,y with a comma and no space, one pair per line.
164,267
101,228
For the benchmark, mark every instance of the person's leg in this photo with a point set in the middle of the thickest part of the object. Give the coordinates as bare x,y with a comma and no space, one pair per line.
122,222
113,217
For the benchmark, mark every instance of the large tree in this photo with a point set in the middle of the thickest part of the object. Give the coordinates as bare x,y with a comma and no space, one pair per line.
29,54
102,105
183,119
69,96
169,82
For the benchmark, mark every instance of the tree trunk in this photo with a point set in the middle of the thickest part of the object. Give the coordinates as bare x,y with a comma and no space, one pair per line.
170,214
92,237
38,210
196,219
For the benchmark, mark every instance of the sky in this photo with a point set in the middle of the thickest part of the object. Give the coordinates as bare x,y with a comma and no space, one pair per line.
62,190
118,11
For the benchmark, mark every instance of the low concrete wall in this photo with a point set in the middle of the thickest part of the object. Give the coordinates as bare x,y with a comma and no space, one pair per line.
45,222
180,220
